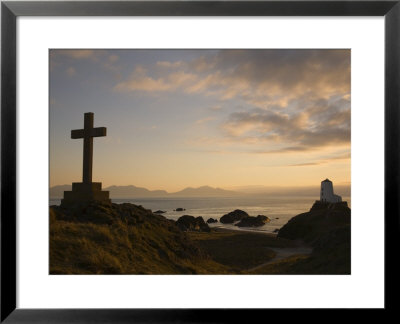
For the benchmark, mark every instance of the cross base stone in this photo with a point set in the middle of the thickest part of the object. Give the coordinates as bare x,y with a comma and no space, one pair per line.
86,192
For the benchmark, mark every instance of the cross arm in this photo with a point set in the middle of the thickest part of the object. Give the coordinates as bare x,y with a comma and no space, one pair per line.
94,132
77,133
98,131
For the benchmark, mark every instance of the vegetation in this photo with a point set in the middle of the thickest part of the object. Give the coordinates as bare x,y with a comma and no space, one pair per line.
128,239
239,250
285,266
121,239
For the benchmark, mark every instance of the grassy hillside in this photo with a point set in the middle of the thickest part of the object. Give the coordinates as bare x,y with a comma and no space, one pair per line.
121,239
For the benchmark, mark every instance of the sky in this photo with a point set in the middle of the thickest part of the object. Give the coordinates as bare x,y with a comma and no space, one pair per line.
188,118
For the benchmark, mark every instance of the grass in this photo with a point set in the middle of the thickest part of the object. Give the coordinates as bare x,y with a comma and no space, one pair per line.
284,266
154,246
239,250
128,239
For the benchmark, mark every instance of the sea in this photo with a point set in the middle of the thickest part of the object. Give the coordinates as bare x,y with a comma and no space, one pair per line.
278,209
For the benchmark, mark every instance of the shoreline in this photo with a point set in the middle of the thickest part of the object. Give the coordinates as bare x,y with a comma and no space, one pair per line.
244,230
152,244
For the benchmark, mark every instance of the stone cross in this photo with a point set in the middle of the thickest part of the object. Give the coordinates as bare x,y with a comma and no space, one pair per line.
87,191
87,133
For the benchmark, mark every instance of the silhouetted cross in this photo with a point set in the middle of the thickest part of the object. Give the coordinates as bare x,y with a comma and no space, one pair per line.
87,133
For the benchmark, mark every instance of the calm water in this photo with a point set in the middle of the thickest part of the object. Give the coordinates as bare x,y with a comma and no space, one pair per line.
278,209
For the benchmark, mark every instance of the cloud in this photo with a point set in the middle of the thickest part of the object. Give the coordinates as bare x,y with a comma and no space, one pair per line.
168,64
216,107
288,149
278,101
330,159
259,77
204,120
71,71
292,100
113,58
202,64
77,54
318,124
141,81
305,164
103,58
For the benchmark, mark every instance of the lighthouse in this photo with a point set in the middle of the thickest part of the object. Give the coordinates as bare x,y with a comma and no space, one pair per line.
327,194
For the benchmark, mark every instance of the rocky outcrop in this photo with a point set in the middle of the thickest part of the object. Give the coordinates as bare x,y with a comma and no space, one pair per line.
212,220
190,223
321,219
327,228
321,205
252,221
160,212
179,209
234,216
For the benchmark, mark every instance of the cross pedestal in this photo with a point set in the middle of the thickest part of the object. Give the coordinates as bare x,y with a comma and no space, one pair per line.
83,192
87,191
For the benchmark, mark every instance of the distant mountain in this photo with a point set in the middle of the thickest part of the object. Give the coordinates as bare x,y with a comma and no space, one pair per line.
138,192
205,191
342,190
115,192
58,191
133,191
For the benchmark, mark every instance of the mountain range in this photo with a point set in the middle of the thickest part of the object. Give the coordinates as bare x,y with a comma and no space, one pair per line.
207,191
138,192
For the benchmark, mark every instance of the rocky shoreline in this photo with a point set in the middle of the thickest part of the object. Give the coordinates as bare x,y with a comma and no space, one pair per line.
125,238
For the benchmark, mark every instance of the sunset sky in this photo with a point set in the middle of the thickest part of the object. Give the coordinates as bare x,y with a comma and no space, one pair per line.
223,118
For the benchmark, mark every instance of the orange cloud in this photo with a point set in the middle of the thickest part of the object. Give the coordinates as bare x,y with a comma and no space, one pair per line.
259,77
77,53
204,120
140,81
71,71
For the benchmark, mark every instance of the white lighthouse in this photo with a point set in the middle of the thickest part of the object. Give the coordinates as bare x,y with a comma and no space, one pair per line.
327,194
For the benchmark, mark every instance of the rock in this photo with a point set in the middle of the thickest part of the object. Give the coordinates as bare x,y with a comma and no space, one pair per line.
179,209
321,219
190,223
212,220
321,205
160,212
252,221
326,228
233,216
276,230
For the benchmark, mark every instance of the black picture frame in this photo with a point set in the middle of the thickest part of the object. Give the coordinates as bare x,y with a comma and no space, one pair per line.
10,10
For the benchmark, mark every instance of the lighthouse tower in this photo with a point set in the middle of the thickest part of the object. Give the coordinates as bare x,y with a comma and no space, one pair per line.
327,194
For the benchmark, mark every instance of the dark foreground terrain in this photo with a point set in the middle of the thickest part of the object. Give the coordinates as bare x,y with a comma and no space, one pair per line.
326,227
128,239
121,239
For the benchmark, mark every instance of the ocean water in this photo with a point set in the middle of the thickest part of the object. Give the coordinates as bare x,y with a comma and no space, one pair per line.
278,209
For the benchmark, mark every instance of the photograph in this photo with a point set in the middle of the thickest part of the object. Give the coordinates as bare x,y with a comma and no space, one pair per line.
199,161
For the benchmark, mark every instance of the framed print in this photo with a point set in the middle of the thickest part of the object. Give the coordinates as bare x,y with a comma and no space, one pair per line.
195,152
